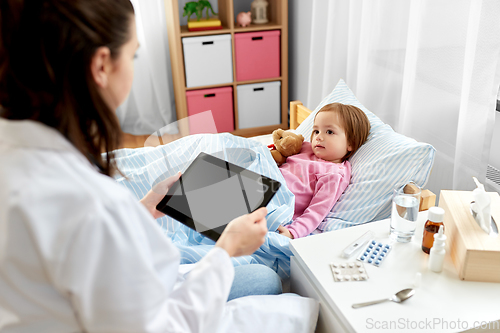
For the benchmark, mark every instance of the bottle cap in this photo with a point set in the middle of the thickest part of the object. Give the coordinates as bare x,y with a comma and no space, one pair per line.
436,214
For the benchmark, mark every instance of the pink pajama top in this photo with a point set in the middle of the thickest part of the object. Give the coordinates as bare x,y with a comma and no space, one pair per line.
317,185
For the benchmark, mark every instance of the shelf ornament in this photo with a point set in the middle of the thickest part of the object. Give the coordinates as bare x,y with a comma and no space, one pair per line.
259,11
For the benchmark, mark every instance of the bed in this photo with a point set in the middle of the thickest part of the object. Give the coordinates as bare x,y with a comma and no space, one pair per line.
386,158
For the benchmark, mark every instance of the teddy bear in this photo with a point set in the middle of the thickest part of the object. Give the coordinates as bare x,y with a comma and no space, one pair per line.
286,143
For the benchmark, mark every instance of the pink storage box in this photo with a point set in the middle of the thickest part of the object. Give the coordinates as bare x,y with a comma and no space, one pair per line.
217,100
257,55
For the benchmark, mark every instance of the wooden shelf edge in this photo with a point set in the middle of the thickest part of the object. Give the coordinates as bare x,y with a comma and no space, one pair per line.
186,33
260,80
258,27
225,30
220,85
228,84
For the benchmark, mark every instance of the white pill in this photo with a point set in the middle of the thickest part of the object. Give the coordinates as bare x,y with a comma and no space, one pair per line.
351,264
342,265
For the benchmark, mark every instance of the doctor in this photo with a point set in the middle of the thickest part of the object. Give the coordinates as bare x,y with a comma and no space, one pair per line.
78,253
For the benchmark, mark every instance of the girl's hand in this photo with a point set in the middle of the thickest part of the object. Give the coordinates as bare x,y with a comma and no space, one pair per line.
156,194
284,231
245,234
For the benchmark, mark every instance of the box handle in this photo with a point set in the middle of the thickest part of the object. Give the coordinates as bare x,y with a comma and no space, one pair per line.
258,89
257,38
209,95
207,43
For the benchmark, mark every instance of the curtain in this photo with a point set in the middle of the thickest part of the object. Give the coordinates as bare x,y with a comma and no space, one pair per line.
151,103
428,68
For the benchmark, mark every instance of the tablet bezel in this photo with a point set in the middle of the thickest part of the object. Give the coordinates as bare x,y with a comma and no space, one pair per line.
271,187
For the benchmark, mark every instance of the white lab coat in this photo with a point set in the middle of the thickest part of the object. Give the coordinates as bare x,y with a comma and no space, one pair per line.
78,252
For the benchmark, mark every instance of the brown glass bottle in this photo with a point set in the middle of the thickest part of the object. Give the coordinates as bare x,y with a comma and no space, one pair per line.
435,220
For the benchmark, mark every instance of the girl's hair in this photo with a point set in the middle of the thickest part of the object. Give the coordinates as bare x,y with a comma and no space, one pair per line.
354,122
46,48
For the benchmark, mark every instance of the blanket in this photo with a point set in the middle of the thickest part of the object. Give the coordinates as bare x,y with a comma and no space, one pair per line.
142,168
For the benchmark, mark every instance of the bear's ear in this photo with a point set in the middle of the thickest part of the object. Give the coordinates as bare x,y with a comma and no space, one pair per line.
301,137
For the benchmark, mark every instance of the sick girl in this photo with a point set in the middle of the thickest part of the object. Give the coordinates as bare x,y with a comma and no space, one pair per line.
320,173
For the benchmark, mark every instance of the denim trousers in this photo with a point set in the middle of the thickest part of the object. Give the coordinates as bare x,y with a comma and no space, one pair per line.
254,280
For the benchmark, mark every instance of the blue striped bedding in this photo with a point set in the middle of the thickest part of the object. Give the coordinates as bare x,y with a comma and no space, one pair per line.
143,167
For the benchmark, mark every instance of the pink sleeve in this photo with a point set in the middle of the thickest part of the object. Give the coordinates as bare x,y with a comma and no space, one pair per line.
328,189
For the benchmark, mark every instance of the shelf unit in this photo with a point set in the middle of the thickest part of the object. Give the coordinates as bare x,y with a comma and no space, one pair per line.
278,20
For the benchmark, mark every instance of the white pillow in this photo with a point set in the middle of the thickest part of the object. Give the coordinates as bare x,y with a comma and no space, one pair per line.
385,159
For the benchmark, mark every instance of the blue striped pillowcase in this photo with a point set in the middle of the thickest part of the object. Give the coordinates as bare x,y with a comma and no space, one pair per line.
385,159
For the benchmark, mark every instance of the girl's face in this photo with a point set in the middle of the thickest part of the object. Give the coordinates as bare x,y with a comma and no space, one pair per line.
329,141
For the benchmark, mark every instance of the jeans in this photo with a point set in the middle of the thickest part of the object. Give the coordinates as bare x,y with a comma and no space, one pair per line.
254,280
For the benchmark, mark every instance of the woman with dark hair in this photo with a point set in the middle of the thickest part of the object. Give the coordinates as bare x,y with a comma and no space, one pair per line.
77,251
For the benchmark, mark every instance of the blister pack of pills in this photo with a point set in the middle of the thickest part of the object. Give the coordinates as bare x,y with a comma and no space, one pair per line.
375,253
349,271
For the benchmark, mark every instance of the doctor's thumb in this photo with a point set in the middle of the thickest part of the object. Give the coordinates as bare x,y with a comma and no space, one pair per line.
259,213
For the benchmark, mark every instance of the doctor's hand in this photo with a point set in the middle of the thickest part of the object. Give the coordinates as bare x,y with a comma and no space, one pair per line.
245,234
156,194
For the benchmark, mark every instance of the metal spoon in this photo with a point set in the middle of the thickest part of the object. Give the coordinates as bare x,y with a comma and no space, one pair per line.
399,297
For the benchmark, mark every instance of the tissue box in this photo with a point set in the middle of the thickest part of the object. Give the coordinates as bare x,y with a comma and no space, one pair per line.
476,255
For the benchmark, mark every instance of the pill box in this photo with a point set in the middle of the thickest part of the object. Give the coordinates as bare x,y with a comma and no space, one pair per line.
348,271
375,253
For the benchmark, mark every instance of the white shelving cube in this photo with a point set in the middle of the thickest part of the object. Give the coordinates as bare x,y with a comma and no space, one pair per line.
259,104
208,60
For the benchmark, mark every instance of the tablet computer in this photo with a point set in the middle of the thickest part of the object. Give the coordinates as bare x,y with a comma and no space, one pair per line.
212,192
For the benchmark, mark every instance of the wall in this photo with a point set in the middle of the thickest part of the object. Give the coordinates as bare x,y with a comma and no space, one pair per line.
299,30
495,144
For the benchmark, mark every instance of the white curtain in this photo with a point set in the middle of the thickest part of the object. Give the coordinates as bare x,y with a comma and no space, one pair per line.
151,103
428,68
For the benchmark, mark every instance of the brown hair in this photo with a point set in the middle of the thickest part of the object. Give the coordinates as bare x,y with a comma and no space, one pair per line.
46,48
354,122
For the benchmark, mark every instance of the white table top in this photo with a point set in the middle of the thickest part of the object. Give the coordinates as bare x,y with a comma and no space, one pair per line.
442,302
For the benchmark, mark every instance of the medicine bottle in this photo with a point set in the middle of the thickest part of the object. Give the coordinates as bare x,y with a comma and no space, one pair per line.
436,259
435,220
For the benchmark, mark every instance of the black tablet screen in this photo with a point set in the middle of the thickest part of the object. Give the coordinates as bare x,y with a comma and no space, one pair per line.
212,192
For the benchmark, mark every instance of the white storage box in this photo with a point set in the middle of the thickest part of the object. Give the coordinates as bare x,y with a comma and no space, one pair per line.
208,60
259,104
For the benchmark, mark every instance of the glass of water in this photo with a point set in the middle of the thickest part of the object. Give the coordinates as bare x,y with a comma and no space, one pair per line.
405,205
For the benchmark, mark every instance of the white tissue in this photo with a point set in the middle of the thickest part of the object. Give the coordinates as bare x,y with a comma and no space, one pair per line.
482,206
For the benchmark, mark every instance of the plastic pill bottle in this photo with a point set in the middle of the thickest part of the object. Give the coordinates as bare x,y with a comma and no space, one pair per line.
435,220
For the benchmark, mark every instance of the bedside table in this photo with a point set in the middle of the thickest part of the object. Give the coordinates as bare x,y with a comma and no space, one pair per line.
442,302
